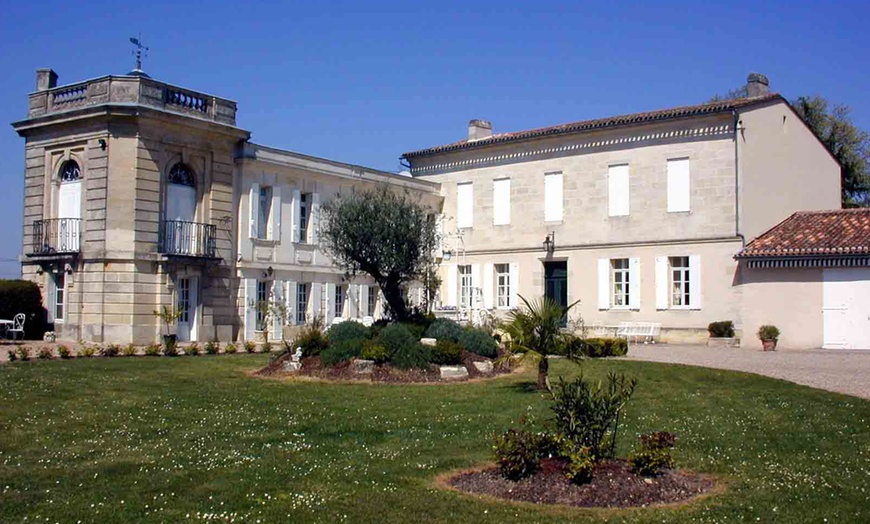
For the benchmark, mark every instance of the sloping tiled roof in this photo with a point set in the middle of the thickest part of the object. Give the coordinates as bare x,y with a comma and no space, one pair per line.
613,121
815,233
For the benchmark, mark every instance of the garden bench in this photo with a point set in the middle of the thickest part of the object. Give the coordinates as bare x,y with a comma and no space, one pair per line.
646,331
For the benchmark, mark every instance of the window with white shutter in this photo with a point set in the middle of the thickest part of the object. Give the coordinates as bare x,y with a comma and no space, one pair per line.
464,205
679,186
264,226
553,201
618,190
501,202
504,295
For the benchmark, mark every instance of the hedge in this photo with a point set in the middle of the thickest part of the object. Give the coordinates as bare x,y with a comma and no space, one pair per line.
23,296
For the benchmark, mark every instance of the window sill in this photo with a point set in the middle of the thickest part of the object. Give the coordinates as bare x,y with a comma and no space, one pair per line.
680,212
264,242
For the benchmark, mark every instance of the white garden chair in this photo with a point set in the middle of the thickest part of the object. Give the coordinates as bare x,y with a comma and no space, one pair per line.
17,326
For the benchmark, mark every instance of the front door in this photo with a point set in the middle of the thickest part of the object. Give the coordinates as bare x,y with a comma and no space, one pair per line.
556,284
187,304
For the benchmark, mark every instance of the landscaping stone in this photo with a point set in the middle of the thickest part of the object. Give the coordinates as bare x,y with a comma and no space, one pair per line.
290,366
483,367
428,341
363,367
453,372
721,342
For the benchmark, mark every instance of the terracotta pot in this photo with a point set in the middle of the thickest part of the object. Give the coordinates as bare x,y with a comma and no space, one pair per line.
769,345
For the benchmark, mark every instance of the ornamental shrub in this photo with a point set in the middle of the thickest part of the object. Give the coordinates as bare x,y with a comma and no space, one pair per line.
444,329
12,356
23,296
231,349
372,350
768,332
446,353
152,350
111,350
250,346
653,454
44,354
342,351
479,341
403,349
581,465
348,330
212,347
266,347
518,453
192,350
312,340
129,350
721,329
87,352
395,337
588,415
63,351
414,355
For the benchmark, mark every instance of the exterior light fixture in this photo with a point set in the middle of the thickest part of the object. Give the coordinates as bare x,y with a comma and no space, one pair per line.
447,255
550,242
268,272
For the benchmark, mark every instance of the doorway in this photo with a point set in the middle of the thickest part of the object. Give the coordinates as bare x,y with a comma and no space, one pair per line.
187,304
556,284
69,207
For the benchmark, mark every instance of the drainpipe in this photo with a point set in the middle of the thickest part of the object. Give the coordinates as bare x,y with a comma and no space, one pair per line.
737,130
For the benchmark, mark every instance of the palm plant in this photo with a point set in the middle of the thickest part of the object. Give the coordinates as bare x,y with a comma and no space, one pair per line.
535,332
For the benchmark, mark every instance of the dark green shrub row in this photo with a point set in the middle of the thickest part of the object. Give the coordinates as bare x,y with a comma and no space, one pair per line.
602,347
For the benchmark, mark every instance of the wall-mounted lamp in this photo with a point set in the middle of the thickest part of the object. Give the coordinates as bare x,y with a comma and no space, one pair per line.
103,144
550,242
268,273
447,255
68,269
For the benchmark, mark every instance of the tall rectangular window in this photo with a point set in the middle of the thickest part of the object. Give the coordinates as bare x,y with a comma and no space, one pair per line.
617,190
59,295
501,201
304,216
681,292
265,212
262,303
339,301
553,201
464,205
372,300
503,286
679,186
620,281
302,302
465,286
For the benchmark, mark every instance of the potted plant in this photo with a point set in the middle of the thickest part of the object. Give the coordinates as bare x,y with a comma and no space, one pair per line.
768,336
169,318
722,334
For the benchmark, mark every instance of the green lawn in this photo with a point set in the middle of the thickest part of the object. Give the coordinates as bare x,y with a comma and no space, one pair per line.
169,440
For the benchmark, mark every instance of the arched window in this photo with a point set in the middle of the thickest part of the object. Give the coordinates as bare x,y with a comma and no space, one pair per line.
70,172
182,175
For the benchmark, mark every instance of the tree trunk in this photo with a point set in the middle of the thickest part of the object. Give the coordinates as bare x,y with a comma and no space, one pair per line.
393,295
543,374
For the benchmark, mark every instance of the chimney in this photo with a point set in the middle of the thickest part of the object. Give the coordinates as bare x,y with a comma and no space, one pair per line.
757,85
478,129
45,79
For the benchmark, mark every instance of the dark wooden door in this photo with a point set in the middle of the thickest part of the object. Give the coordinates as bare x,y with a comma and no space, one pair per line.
556,284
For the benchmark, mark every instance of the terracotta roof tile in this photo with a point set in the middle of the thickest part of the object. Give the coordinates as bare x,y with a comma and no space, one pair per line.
808,233
613,121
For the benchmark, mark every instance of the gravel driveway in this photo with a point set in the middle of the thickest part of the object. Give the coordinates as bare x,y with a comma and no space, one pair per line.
842,371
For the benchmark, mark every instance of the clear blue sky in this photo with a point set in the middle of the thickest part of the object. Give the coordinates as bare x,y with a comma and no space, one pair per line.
363,82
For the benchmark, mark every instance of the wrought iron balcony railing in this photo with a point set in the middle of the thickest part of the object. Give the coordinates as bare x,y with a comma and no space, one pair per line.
56,236
188,239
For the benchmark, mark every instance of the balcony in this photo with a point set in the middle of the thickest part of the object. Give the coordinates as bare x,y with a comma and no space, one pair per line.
56,236
188,239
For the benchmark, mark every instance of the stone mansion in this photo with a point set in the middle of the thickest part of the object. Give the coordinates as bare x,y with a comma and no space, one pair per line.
140,194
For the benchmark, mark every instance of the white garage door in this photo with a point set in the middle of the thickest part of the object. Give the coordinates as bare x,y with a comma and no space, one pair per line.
846,308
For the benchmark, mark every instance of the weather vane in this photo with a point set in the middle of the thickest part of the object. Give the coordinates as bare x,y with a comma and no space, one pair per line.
140,48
